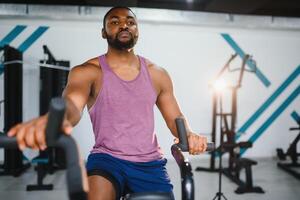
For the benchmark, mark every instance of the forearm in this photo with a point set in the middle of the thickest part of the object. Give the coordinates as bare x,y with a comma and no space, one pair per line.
73,113
172,125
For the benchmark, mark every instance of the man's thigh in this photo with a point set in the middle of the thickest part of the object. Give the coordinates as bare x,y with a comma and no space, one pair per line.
107,169
100,188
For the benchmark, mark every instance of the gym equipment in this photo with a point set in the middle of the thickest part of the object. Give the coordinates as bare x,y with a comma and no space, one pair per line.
219,195
291,153
187,181
42,170
212,167
52,84
55,138
13,93
235,162
53,81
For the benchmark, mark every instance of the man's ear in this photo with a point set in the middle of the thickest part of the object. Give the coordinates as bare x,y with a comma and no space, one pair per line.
104,35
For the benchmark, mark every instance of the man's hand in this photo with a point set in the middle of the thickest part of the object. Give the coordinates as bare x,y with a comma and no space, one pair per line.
197,143
32,134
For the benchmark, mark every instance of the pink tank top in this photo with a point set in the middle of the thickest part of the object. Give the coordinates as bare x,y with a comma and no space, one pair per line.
123,116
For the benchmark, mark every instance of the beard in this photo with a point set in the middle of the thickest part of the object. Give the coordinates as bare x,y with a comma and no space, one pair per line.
118,44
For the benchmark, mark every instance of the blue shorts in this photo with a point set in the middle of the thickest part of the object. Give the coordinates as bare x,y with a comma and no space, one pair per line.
130,177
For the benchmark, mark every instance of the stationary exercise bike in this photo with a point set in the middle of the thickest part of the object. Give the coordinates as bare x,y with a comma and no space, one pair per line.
292,165
75,175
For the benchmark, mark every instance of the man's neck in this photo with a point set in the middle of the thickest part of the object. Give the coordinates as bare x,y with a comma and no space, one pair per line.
127,56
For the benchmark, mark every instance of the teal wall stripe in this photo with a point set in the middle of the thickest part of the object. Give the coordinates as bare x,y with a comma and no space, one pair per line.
26,44
12,35
295,116
9,38
269,101
32,38
242,54
273,117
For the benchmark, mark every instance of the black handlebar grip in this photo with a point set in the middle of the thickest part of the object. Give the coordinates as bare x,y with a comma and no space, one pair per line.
181,131
183,140
8,142
55,119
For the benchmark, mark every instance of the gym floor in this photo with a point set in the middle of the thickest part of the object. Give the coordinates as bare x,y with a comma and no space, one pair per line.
277,184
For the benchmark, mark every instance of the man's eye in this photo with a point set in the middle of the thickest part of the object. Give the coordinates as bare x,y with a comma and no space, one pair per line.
131,23
114,22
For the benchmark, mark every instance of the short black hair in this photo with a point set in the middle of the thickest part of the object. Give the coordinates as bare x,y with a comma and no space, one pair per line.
113,8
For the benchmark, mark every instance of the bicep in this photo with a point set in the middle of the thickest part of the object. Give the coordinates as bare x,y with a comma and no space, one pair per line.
166,101
78,88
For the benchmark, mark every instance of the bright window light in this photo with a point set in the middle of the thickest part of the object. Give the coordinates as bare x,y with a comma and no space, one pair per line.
220,85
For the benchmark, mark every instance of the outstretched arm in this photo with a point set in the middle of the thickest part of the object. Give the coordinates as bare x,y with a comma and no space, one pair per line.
77,92
32,133
168,106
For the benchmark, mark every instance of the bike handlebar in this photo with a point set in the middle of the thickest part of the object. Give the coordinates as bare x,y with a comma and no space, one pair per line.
183,140
55,138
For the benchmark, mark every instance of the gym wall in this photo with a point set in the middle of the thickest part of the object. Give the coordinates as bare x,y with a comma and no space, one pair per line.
192,47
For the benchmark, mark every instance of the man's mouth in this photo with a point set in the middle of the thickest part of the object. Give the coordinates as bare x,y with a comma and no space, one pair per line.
124,34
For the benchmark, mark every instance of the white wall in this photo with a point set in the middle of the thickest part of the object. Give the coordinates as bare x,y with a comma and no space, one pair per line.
192,54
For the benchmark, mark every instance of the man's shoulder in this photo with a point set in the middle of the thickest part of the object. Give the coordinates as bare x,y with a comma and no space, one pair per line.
158,74
89,65
92,63
87,70
153,67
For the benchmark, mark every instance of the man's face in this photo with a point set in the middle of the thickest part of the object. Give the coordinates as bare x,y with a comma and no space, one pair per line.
121,29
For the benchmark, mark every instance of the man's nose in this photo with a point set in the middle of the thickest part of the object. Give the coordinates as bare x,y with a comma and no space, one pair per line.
123,25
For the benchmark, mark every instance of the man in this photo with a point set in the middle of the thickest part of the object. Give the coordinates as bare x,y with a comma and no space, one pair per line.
120,90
